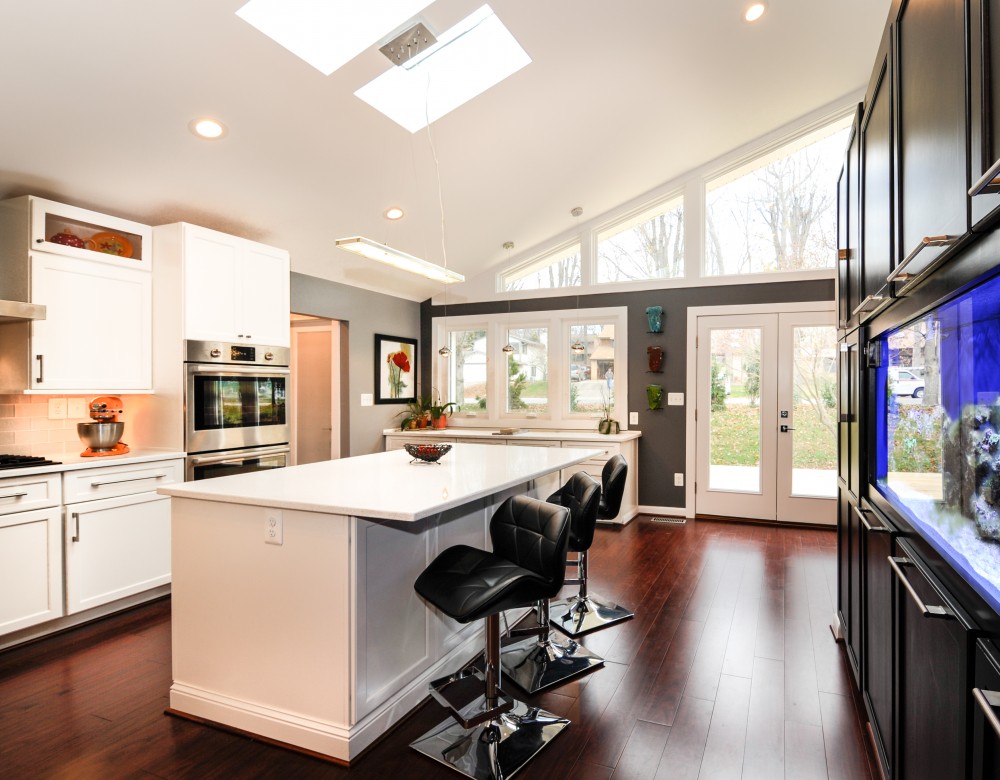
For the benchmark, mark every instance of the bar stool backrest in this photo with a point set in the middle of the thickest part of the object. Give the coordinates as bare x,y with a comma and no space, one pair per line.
534,535
612,487
581,495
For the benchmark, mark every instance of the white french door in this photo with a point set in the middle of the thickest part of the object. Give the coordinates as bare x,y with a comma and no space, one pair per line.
766,416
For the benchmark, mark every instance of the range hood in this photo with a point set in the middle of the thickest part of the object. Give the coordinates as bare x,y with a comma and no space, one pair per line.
18,310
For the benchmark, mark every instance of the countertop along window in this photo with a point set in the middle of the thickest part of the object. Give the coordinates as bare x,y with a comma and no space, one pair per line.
542,382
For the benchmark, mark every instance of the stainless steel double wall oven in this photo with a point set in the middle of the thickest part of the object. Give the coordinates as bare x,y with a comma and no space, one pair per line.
235,408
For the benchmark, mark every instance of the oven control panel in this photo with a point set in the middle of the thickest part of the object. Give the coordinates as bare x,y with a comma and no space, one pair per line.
235,354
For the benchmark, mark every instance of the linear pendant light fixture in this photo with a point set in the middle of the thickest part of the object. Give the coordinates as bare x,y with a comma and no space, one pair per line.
397,259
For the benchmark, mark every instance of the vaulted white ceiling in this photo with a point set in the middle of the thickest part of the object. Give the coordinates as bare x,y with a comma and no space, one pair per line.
619,98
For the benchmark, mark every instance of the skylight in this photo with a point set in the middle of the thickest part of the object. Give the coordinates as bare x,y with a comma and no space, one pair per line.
328,34
474,55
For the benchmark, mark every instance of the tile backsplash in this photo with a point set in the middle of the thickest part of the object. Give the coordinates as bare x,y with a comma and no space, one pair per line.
25,427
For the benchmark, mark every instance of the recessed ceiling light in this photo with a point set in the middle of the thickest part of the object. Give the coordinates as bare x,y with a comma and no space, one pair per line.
328,34
754,11
394,213
474,55
207,128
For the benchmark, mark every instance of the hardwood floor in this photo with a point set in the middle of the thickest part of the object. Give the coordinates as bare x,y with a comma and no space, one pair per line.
729,669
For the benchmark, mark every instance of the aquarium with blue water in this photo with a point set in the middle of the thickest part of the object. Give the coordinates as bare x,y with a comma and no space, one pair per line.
938,431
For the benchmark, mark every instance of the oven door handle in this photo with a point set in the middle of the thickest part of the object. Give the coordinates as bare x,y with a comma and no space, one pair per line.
225,369
230,458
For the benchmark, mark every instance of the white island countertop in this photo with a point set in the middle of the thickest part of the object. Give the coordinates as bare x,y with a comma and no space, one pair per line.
386,485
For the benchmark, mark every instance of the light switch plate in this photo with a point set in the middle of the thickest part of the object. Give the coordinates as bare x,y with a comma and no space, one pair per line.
675,399
633,418
367,399
77,409
57,408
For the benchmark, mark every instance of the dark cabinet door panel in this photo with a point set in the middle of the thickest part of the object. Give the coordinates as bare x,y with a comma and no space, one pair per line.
986,713
984,111
876,187
877,546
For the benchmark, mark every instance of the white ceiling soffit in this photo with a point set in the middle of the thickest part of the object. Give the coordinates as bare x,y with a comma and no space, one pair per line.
328,34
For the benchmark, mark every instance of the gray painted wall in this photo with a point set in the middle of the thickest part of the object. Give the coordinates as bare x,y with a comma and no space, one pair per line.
661,448
364,314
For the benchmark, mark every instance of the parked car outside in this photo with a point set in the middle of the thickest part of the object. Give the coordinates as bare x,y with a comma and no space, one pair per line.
905,382
578,373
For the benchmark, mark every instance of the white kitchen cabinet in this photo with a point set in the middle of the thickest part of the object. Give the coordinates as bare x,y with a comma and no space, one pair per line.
97,332
234,290
31,572
97,335
116,547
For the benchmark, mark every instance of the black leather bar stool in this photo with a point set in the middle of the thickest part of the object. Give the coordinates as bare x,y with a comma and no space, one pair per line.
540,661
584,613
494,735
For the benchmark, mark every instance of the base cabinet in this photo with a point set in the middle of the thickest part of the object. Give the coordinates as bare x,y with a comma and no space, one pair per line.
116,547
30,568
934,635
986,713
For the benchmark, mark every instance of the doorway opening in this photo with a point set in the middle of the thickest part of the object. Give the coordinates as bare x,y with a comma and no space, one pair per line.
319,426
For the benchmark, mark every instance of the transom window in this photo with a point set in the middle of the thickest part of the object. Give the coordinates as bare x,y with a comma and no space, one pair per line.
559,268
650,245
778,213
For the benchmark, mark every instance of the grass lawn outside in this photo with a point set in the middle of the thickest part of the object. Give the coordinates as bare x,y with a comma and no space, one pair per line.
736,438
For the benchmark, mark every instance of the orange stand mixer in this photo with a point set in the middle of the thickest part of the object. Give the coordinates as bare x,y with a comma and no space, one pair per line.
103,435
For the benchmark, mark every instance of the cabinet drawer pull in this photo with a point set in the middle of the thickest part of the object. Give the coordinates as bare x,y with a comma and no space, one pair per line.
76,526
129,479
875,529
899,274
926,611
869,304
988,183
987,700
41,368
20,494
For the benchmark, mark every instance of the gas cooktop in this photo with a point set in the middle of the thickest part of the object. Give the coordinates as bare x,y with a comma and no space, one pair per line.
24,461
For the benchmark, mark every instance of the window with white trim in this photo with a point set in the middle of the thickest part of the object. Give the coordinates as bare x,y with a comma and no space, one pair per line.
558,268
648,245
542,380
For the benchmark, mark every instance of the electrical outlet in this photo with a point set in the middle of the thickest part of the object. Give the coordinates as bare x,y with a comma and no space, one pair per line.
678,479
77,409
57,408
633,418
274,526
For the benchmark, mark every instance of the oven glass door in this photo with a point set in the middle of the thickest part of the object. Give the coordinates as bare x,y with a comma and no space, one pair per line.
233,407
224,464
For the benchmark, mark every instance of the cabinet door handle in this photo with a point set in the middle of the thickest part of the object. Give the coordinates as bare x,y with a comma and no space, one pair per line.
41,368
76,526
129,479
926,611
987,700
861,513
988,183
899,273
870,303
20,494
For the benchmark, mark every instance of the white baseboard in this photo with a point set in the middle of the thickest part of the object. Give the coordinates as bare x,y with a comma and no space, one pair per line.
669,511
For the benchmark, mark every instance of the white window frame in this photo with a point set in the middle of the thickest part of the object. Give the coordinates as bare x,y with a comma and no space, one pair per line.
539,262
634,217
557,322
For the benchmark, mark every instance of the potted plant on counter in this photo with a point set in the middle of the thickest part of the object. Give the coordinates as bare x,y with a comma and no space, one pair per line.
439,413
416,414
606,424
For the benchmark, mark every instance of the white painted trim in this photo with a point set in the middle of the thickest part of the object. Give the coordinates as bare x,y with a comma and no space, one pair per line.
693,313
668,511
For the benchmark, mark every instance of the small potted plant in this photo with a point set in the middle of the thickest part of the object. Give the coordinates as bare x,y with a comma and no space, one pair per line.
606,424
439,413
415,415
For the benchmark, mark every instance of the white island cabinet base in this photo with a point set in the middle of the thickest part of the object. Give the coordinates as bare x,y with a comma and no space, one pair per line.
321,642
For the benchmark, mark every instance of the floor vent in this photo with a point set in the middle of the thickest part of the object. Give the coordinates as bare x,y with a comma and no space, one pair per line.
670,520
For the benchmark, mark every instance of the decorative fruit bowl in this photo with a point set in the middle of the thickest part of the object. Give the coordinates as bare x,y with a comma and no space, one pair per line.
428,453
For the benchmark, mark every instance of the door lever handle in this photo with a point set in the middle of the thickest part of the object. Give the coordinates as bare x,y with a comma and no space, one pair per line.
786,428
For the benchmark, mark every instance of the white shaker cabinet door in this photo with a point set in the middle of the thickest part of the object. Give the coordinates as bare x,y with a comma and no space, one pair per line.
211,285
97,334
266,292
30,568
116,547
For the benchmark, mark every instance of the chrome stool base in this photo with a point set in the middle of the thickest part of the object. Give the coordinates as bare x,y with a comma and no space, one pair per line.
495,750
578,616
535,665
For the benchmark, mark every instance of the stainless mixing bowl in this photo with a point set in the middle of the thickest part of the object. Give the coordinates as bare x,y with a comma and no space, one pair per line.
100,436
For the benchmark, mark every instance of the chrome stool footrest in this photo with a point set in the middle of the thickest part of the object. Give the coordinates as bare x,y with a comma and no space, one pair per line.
535,665
447,691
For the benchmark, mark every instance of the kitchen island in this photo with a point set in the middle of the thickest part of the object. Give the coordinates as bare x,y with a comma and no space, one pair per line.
294,614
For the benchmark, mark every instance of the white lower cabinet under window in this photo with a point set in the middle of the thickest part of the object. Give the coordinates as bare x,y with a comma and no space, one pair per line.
116,547
30,568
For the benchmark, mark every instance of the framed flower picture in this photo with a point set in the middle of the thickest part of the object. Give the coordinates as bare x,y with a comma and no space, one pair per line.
395,370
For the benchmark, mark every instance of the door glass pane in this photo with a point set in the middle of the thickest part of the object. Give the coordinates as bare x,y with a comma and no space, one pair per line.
527,371
467,370
734,424
592,372
814,394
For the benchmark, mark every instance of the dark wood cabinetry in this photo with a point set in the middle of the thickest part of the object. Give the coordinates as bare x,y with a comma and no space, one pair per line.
934,638
876,186
984,112
986,713
930,78
849,230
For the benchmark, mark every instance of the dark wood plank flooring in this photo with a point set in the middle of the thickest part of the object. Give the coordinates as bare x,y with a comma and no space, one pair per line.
729,669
